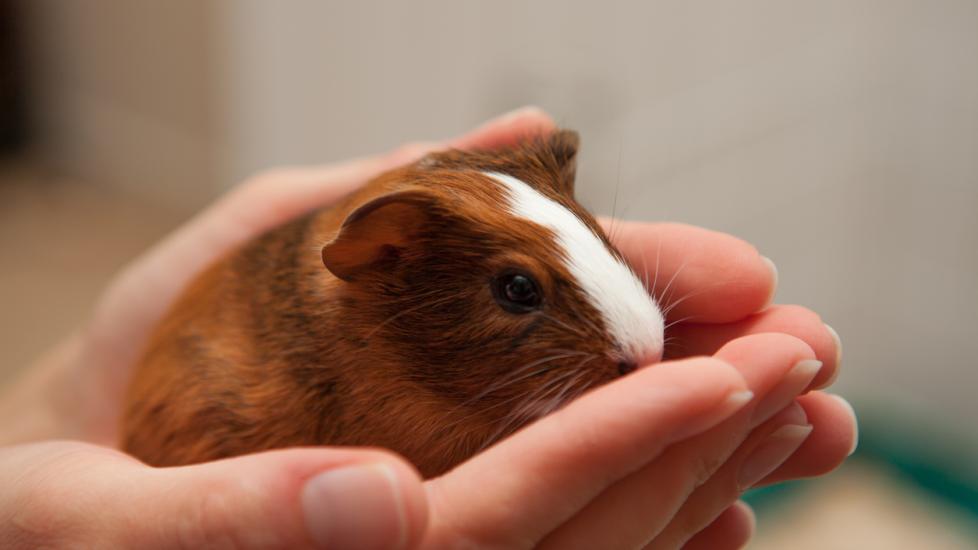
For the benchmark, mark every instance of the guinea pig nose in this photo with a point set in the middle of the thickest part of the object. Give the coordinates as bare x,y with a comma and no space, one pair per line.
625,367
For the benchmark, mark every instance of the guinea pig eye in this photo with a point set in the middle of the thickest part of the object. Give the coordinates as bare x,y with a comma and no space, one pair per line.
516,292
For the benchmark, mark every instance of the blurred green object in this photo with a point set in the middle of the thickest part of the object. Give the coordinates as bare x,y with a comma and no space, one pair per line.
909,454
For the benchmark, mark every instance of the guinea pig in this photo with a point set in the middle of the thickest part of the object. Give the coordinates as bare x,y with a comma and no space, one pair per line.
433,312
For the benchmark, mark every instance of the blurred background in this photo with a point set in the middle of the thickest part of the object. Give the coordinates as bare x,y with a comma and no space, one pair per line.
839,136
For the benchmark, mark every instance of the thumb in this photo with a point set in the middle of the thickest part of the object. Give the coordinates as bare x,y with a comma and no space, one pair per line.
295,498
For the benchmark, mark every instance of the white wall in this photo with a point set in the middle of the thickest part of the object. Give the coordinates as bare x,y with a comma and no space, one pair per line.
126,94
839,136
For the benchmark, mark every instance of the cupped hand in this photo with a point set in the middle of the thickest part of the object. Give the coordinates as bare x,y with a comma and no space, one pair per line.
650,460
605,473
654,458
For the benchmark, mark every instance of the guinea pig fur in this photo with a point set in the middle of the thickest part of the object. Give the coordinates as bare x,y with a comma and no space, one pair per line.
433,312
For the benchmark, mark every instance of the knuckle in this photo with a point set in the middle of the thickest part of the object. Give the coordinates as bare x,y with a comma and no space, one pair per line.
799,314
205,523
714,363
208,519
221,515
721,372
455,531
702,468
781,341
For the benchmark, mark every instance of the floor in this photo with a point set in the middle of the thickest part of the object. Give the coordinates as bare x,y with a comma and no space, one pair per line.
863,507
60,242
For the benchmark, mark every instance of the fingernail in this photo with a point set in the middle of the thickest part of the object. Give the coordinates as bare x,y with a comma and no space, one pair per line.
738,399
791,385
770,454
774,279
721,411
855,422
838,357
355,507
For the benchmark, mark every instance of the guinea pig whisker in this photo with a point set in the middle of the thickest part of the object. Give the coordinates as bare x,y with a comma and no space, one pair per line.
563,397
655,278
582,376
589,324
614,203
484,410
645,272
520,374
561,323
677,321
512,378
669,307
548,398
383,323
530,407
519,413
698,292
671,341
579,391
663,296
560,398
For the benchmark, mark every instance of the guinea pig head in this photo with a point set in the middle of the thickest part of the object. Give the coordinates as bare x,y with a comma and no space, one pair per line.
479,280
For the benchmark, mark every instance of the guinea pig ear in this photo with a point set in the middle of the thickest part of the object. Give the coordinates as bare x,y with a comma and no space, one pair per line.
563,146
376,231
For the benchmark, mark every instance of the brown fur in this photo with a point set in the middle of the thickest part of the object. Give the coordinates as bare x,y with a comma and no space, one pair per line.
398,343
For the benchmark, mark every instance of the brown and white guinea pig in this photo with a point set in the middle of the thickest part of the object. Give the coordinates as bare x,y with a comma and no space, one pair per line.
433,312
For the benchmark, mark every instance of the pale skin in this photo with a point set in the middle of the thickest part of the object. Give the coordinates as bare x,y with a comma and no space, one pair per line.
657,459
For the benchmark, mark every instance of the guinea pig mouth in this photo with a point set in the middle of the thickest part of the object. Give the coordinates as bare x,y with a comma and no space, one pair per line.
626,367
629,363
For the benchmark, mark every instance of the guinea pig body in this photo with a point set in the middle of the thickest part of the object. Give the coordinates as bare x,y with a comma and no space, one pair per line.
433,312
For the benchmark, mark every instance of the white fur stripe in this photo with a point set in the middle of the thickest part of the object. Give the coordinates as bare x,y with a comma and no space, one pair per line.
631,315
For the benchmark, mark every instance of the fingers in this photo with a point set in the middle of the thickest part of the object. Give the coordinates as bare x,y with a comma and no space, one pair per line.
833,439
731,530
297,498
764,450
812,436
695,273
632,511
524,487
692,339
508,129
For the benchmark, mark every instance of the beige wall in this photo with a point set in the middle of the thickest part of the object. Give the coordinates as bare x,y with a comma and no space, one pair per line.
839,136
126,93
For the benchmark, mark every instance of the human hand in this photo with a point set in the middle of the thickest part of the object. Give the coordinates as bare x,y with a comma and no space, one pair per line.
576,492
639,461
141,294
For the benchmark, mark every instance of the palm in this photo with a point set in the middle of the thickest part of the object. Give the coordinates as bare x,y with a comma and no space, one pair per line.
713,286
